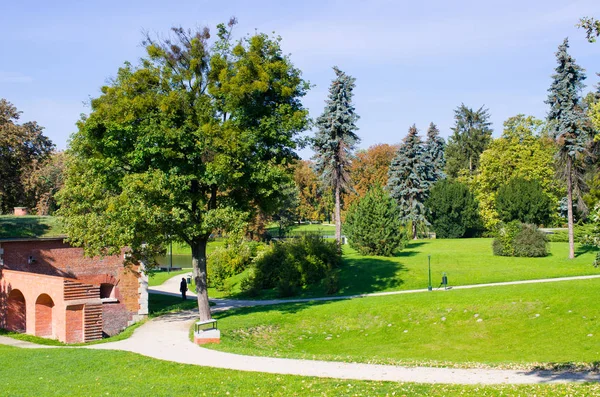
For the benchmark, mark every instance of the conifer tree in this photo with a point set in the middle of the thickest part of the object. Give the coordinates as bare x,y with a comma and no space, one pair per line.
471,136
435,147
335,140
410,179
570,126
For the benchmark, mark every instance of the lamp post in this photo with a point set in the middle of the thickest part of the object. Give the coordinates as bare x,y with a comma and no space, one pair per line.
429,287
170,255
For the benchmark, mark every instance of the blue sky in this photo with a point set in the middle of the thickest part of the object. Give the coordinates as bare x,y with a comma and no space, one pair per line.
414,61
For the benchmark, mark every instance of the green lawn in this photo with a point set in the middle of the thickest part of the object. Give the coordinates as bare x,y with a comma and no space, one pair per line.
324,229
508,326
29,226
78,372
160,277
466,261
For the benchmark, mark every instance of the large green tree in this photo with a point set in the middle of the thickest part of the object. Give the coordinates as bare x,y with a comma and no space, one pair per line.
471,135
410,178
570,126
192,139
525,201
22,146
335,140
452,210
522,151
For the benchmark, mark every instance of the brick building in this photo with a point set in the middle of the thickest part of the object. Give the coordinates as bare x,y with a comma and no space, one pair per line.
50,289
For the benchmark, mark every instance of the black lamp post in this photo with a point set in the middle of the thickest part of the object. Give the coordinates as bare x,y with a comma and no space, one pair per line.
429,287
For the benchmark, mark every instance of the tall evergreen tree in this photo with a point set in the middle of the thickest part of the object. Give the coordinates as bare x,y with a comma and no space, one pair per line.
435,148
471,136
570,126
410,179
335,140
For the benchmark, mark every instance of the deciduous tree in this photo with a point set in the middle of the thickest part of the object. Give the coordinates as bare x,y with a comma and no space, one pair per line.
335,140
22,146
192,139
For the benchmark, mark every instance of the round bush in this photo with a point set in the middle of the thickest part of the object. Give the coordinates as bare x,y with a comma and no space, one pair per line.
521,240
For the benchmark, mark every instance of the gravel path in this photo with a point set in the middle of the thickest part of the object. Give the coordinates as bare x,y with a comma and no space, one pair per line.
167,338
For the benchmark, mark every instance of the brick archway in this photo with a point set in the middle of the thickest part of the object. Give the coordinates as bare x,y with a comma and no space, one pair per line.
43,316
15,312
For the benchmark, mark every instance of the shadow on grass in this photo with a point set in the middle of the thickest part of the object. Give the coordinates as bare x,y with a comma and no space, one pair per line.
283,308
370,274
584,249
22,227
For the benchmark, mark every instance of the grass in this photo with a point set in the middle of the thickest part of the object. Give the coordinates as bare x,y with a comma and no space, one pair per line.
29,226
466,261
160,277
77,372
516,326
295,230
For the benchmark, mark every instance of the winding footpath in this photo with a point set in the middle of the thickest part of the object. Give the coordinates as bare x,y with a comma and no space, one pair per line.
167,338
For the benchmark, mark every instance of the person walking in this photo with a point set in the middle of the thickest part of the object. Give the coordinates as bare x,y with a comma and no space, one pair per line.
183,288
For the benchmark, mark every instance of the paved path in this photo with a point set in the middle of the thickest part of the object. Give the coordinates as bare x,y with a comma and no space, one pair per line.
167,338
171,286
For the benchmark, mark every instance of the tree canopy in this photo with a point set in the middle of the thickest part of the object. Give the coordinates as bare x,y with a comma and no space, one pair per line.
452,210
525,201
22,147
193,138
435,148
523,151
471,135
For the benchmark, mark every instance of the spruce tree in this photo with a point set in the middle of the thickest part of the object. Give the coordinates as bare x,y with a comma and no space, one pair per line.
471,136
335,140
569,125
410,179
435,147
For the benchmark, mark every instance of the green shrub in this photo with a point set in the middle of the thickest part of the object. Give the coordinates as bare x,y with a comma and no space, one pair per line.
579,233
524,201
373,224
520,239
453,210
294,264
225,262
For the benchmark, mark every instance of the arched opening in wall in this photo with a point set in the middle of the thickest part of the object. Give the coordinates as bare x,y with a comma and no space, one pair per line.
107,291
44,306
15,311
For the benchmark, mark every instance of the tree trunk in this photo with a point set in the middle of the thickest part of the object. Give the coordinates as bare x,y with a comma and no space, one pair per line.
338,218
199,273
414,230
570,208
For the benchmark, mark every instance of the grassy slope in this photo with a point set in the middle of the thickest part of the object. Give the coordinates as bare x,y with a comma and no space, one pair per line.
466,261
160,277
29,226
75,372
329,230
520,324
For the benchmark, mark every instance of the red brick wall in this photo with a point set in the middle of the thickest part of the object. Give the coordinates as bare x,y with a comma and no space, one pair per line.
56,258
74,325
43,316
15,312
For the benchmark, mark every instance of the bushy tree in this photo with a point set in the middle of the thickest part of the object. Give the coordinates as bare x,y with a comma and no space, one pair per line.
373,224
594,238
453,210
523,151
22,148
409,180
335,140
369,169
524,201
571,128
591,26
471,135
193,139
312,199
435,148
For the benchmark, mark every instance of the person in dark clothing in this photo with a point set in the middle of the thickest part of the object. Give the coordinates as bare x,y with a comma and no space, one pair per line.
183,288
